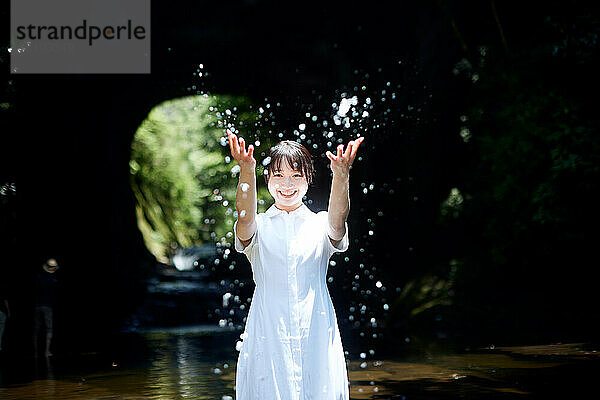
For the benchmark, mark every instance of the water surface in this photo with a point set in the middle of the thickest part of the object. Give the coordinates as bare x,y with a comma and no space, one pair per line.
199,363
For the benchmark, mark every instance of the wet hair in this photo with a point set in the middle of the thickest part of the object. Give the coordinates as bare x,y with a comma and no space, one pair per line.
295,155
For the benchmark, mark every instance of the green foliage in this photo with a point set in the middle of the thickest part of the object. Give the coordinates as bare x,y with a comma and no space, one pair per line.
184,188
530,181
425,294
537,155
533,188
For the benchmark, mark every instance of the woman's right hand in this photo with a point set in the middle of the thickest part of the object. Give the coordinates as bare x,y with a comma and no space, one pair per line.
238,151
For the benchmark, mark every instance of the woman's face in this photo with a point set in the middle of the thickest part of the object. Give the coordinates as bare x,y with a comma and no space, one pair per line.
288,187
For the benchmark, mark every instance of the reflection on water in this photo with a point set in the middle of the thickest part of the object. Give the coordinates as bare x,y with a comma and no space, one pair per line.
200,364
184,369
170,364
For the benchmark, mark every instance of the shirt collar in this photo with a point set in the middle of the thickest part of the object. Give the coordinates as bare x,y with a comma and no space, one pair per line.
298,212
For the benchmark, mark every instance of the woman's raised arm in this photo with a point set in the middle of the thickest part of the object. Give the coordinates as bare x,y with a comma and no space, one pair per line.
245,198
339,198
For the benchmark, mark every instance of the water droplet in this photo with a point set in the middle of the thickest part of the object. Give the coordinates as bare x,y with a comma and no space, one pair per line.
226,298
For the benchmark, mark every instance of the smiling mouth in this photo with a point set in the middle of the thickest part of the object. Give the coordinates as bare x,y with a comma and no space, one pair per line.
288,196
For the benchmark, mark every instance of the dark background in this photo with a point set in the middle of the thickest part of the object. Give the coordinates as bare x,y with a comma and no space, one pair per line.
520,251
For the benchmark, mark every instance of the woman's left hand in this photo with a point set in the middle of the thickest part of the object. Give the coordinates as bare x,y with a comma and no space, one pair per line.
340,163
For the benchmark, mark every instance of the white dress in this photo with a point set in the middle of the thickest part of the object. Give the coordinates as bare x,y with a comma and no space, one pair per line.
291,347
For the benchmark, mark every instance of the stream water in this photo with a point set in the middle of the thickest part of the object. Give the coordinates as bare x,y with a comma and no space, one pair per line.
199,363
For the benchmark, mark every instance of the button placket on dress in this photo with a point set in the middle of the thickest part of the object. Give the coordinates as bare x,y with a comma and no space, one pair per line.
293,304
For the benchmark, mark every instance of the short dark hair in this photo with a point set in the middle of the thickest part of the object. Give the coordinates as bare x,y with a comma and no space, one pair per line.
295,155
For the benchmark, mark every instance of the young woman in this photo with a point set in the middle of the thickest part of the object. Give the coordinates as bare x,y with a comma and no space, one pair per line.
291,347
